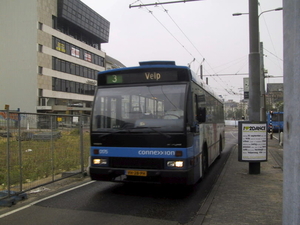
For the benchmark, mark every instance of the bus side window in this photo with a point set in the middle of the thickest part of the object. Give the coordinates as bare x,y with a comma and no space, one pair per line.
201,114
200,111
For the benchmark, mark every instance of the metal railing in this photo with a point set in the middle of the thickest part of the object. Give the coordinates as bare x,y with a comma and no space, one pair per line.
36,149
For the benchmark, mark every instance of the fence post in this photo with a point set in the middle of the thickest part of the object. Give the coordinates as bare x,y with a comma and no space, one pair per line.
20,152
8,151
81,143
52,149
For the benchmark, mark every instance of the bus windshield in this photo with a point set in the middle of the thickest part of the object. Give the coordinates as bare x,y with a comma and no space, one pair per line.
139,108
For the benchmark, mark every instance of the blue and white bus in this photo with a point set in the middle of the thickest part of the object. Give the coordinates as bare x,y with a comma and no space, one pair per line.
154,123
275,120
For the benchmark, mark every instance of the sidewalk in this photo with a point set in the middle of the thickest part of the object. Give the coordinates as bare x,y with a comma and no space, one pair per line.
242,198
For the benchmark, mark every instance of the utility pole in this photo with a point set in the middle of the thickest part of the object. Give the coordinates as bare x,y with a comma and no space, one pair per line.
254,73
201,72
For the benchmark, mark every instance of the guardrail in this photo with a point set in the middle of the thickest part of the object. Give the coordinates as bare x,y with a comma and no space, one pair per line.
36,149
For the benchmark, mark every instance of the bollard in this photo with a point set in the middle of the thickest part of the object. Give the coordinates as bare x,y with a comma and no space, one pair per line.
281,139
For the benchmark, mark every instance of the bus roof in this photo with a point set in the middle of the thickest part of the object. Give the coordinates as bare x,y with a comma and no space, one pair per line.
148,65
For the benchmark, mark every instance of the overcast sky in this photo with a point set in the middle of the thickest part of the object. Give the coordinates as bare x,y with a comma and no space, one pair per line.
183,32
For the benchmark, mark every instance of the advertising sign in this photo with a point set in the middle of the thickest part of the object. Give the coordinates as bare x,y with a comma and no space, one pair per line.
75,52
252,141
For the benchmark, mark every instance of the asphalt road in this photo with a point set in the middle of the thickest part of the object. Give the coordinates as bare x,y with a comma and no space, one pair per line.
117,203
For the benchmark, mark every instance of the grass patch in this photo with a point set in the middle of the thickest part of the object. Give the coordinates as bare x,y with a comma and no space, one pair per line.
41,159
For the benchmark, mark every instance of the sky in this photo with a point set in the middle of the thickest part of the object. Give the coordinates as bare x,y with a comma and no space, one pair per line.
194,33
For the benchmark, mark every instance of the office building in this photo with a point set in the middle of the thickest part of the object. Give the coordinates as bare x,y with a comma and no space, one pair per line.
50,54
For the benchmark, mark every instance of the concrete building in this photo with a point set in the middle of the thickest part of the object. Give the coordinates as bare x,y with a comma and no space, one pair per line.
50,54
112,63
274,97
236,111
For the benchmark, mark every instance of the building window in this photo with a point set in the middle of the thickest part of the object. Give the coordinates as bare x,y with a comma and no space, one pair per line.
54,22
60,46
63,66
75,52
40,48
40,26
40,92
77,70
85,73
72,69
40,70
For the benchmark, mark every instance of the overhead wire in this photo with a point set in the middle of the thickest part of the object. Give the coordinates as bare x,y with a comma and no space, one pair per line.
272,43
166,11
273,54
151,12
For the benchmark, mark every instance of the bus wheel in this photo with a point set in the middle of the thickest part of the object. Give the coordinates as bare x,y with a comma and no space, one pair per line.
204,162
220,148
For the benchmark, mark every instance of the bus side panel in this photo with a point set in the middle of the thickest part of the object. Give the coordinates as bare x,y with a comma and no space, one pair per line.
213,134
197,172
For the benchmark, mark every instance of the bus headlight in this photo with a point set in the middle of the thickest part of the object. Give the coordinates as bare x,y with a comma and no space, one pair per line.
100,161
175,163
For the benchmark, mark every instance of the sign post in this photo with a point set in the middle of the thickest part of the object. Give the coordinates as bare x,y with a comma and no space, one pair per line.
252,144
246,88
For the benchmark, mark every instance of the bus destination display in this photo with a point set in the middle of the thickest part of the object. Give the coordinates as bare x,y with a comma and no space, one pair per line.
141,77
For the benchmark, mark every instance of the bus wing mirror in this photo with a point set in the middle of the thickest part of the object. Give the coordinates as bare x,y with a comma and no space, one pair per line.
201,115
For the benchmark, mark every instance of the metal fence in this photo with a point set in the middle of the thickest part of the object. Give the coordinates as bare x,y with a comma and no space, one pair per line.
36,149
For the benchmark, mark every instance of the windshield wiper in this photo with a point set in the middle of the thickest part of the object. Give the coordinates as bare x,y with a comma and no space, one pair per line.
117,131
153,128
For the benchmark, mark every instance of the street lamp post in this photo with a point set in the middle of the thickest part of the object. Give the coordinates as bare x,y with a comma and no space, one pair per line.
277,9
262,74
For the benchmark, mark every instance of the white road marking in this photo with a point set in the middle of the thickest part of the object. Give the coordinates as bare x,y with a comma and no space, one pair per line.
38,201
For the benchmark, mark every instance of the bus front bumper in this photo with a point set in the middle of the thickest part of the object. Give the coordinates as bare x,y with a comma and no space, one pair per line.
142,176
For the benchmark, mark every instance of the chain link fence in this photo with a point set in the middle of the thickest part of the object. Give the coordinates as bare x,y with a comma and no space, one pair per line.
37,149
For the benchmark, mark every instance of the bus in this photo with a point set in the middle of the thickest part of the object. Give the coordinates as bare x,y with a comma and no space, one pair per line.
154,123
275,120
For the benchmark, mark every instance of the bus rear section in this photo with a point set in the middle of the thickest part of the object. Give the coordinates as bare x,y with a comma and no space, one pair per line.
275,121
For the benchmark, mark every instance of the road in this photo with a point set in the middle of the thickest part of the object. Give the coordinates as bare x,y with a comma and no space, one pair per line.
117,203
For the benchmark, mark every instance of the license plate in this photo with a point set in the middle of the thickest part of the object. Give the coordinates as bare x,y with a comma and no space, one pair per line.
136,173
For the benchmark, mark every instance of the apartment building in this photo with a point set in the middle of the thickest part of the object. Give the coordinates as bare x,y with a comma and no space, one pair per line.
50,54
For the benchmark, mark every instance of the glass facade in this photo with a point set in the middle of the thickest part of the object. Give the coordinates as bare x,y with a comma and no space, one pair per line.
85,18
72,86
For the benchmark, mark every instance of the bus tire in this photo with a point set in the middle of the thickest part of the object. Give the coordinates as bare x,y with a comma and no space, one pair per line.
220,148
204,161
